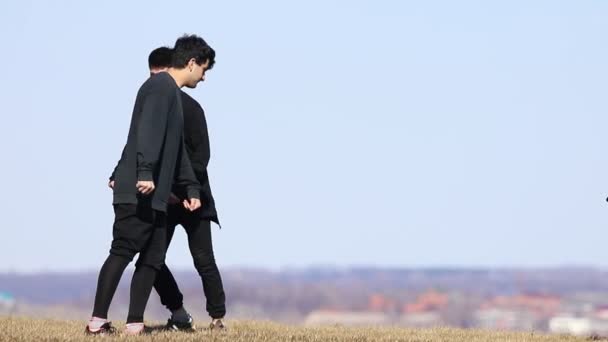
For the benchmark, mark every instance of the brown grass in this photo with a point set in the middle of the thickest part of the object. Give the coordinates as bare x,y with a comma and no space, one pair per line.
26,329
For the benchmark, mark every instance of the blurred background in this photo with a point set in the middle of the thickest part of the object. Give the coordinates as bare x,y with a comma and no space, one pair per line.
416,163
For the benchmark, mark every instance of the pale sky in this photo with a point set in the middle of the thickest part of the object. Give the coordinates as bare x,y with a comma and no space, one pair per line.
343,133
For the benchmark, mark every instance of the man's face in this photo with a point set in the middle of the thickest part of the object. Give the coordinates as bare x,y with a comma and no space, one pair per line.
197,73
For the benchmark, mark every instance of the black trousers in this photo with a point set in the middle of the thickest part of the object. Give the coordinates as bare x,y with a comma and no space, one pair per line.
137,229
201,249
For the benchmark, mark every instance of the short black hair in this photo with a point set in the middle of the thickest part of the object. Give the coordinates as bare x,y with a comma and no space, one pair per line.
160,58
192,46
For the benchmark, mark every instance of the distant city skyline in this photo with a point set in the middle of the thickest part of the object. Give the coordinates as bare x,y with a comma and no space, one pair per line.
571,301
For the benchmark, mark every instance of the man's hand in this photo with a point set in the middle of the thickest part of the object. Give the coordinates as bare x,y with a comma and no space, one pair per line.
145,187
194,204
111,184
173,199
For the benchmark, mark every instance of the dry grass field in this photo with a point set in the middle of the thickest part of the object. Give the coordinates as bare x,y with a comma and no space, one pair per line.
25,329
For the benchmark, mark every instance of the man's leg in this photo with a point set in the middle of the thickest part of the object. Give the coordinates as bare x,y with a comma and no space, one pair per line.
201,248
109,277
150,261
126,243
165,284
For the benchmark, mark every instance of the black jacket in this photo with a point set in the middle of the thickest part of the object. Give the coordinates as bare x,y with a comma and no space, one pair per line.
155,149
196,137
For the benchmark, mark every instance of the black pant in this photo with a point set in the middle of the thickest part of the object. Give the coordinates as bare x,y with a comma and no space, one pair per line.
137,229
201,248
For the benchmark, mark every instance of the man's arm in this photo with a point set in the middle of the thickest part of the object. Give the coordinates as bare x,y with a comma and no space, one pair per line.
112,176
152,127
204,179
193,131
185,178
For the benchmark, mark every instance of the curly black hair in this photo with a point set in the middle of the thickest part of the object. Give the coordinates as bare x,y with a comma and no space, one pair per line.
192,46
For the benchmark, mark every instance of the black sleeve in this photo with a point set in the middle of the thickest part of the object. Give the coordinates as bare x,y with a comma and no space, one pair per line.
205,187
122,156
185,177
194,134
152,126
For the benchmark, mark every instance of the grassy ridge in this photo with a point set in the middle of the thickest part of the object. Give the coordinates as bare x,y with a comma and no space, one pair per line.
26,329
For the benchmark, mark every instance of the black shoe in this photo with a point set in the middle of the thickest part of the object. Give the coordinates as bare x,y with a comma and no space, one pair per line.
180,326
105,329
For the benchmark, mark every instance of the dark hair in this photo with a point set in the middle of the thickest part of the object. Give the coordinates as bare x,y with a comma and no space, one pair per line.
160,58
192,46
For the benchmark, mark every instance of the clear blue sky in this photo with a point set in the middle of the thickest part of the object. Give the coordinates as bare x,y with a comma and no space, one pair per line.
389,133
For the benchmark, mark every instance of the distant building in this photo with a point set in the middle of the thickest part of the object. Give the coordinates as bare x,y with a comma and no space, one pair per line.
581,326
505,319
421,319
350,318
426,302
380,303
601,312
8,305
587,321
570,325
521,312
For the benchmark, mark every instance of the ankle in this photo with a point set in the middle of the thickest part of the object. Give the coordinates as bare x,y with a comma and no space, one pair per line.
180,315
95,323
134,328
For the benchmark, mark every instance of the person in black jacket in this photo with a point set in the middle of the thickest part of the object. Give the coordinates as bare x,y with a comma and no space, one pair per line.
196,223
153,162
